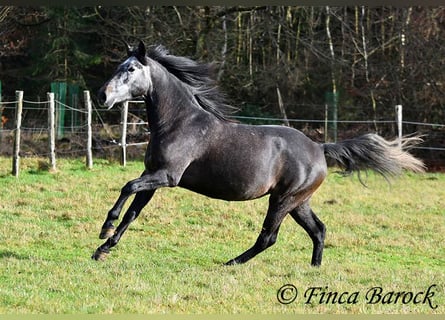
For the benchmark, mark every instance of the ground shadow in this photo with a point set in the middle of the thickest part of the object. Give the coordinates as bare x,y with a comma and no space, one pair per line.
10,254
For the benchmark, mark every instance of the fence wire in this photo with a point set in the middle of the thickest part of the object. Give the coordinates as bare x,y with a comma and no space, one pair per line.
33,125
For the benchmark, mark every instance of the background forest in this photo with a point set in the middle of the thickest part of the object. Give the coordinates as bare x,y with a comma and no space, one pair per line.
368,59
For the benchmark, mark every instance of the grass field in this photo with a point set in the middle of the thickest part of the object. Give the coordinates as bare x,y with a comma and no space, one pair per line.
389,237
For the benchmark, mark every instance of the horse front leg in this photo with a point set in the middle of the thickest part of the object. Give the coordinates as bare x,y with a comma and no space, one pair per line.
147,181
144,187
108,227
140,201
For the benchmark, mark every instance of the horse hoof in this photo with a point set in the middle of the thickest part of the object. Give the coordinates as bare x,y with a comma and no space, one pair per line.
106,233
99,255
231,263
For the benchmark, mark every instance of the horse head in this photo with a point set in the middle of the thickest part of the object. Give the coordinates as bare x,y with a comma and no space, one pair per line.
131,79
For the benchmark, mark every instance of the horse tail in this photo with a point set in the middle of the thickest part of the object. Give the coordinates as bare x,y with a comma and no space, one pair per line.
372,152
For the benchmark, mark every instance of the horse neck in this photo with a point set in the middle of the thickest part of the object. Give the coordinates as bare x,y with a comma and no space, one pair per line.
170,103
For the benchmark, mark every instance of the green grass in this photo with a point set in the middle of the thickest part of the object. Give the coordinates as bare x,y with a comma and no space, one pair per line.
170,260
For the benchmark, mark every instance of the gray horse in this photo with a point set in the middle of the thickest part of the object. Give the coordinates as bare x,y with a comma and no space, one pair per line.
193,145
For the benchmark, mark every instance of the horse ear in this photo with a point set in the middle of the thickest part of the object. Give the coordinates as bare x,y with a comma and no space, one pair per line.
127,47
141,49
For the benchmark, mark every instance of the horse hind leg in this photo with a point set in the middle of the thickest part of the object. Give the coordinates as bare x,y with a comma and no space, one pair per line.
307,219
268,234
139,202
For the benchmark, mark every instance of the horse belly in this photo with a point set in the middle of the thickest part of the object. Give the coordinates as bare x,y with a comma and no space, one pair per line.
225,183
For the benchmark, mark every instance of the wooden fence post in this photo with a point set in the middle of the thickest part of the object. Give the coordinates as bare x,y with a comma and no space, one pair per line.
1,116
399,122
89,157
281,106
124,116
17,132
52,131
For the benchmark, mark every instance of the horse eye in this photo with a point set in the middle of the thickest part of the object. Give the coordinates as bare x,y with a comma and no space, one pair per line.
130,69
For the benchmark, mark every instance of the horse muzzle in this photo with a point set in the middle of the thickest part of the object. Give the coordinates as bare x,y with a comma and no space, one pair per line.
104,99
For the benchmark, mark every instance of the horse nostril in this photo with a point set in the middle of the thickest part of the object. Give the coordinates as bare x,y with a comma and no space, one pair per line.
102,96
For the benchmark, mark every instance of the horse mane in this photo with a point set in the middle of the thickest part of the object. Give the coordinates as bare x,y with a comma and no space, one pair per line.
198,76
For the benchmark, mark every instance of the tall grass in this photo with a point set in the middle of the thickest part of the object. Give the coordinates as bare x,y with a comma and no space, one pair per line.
170,260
